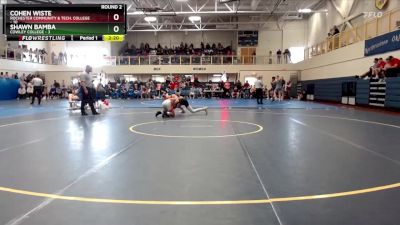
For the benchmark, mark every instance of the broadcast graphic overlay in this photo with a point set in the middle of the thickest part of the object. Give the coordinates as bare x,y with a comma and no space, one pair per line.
91,22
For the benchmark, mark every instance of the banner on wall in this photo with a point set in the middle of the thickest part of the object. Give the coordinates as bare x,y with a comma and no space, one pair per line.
384,43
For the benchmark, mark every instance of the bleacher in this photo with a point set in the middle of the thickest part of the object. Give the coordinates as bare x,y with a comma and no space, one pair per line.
345,89
326,89
392,98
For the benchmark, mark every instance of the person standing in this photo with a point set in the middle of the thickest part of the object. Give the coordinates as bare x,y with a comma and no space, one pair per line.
289,89
279,56
286,56
19,53
65,58
87,90
60,58
279,89
270,57
30,55
37,89
259,90
29,90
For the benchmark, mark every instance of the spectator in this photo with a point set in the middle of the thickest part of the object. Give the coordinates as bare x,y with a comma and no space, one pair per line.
52,92
36,52
65,58
279,89
270,57
271,92
335,30
19,53
60,58
25,52
30,58
29,90
286,55
227,87
53,58
22,78
392,67
378,72
56,84
43,55
369,74
246,89
278,56
288,89
10,51
1,75
21,92
238,86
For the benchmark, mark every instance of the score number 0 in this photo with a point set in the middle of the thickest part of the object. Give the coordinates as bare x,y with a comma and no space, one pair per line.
116,18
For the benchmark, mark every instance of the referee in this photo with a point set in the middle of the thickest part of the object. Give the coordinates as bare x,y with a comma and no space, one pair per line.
88,91
259,90
37,89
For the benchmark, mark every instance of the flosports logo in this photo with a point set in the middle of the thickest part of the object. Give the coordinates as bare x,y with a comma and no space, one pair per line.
372,14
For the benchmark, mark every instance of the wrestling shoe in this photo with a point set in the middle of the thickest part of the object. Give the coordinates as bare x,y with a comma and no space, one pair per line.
158,113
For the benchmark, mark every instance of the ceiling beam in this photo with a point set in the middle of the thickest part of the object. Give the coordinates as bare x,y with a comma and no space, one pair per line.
181,24
254,4
277,4
190,7
136,22
229,8
201,7
347,22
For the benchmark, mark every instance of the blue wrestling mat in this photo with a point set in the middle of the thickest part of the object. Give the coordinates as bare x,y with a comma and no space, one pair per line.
14,108
228,103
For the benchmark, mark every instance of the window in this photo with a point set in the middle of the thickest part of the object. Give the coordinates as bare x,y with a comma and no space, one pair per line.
86,55
216,78
130,78
158,78
296,54
250,79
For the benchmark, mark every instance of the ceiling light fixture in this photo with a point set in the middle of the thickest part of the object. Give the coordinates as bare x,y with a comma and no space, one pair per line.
194,18
150,19
304,10
137,13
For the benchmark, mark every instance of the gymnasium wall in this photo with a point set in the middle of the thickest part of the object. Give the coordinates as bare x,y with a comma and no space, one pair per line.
294,34
346,61
319,24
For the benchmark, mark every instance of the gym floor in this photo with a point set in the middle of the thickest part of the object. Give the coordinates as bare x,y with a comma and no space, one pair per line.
292,163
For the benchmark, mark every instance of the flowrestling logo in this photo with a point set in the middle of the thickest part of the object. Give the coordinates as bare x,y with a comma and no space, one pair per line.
372,14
